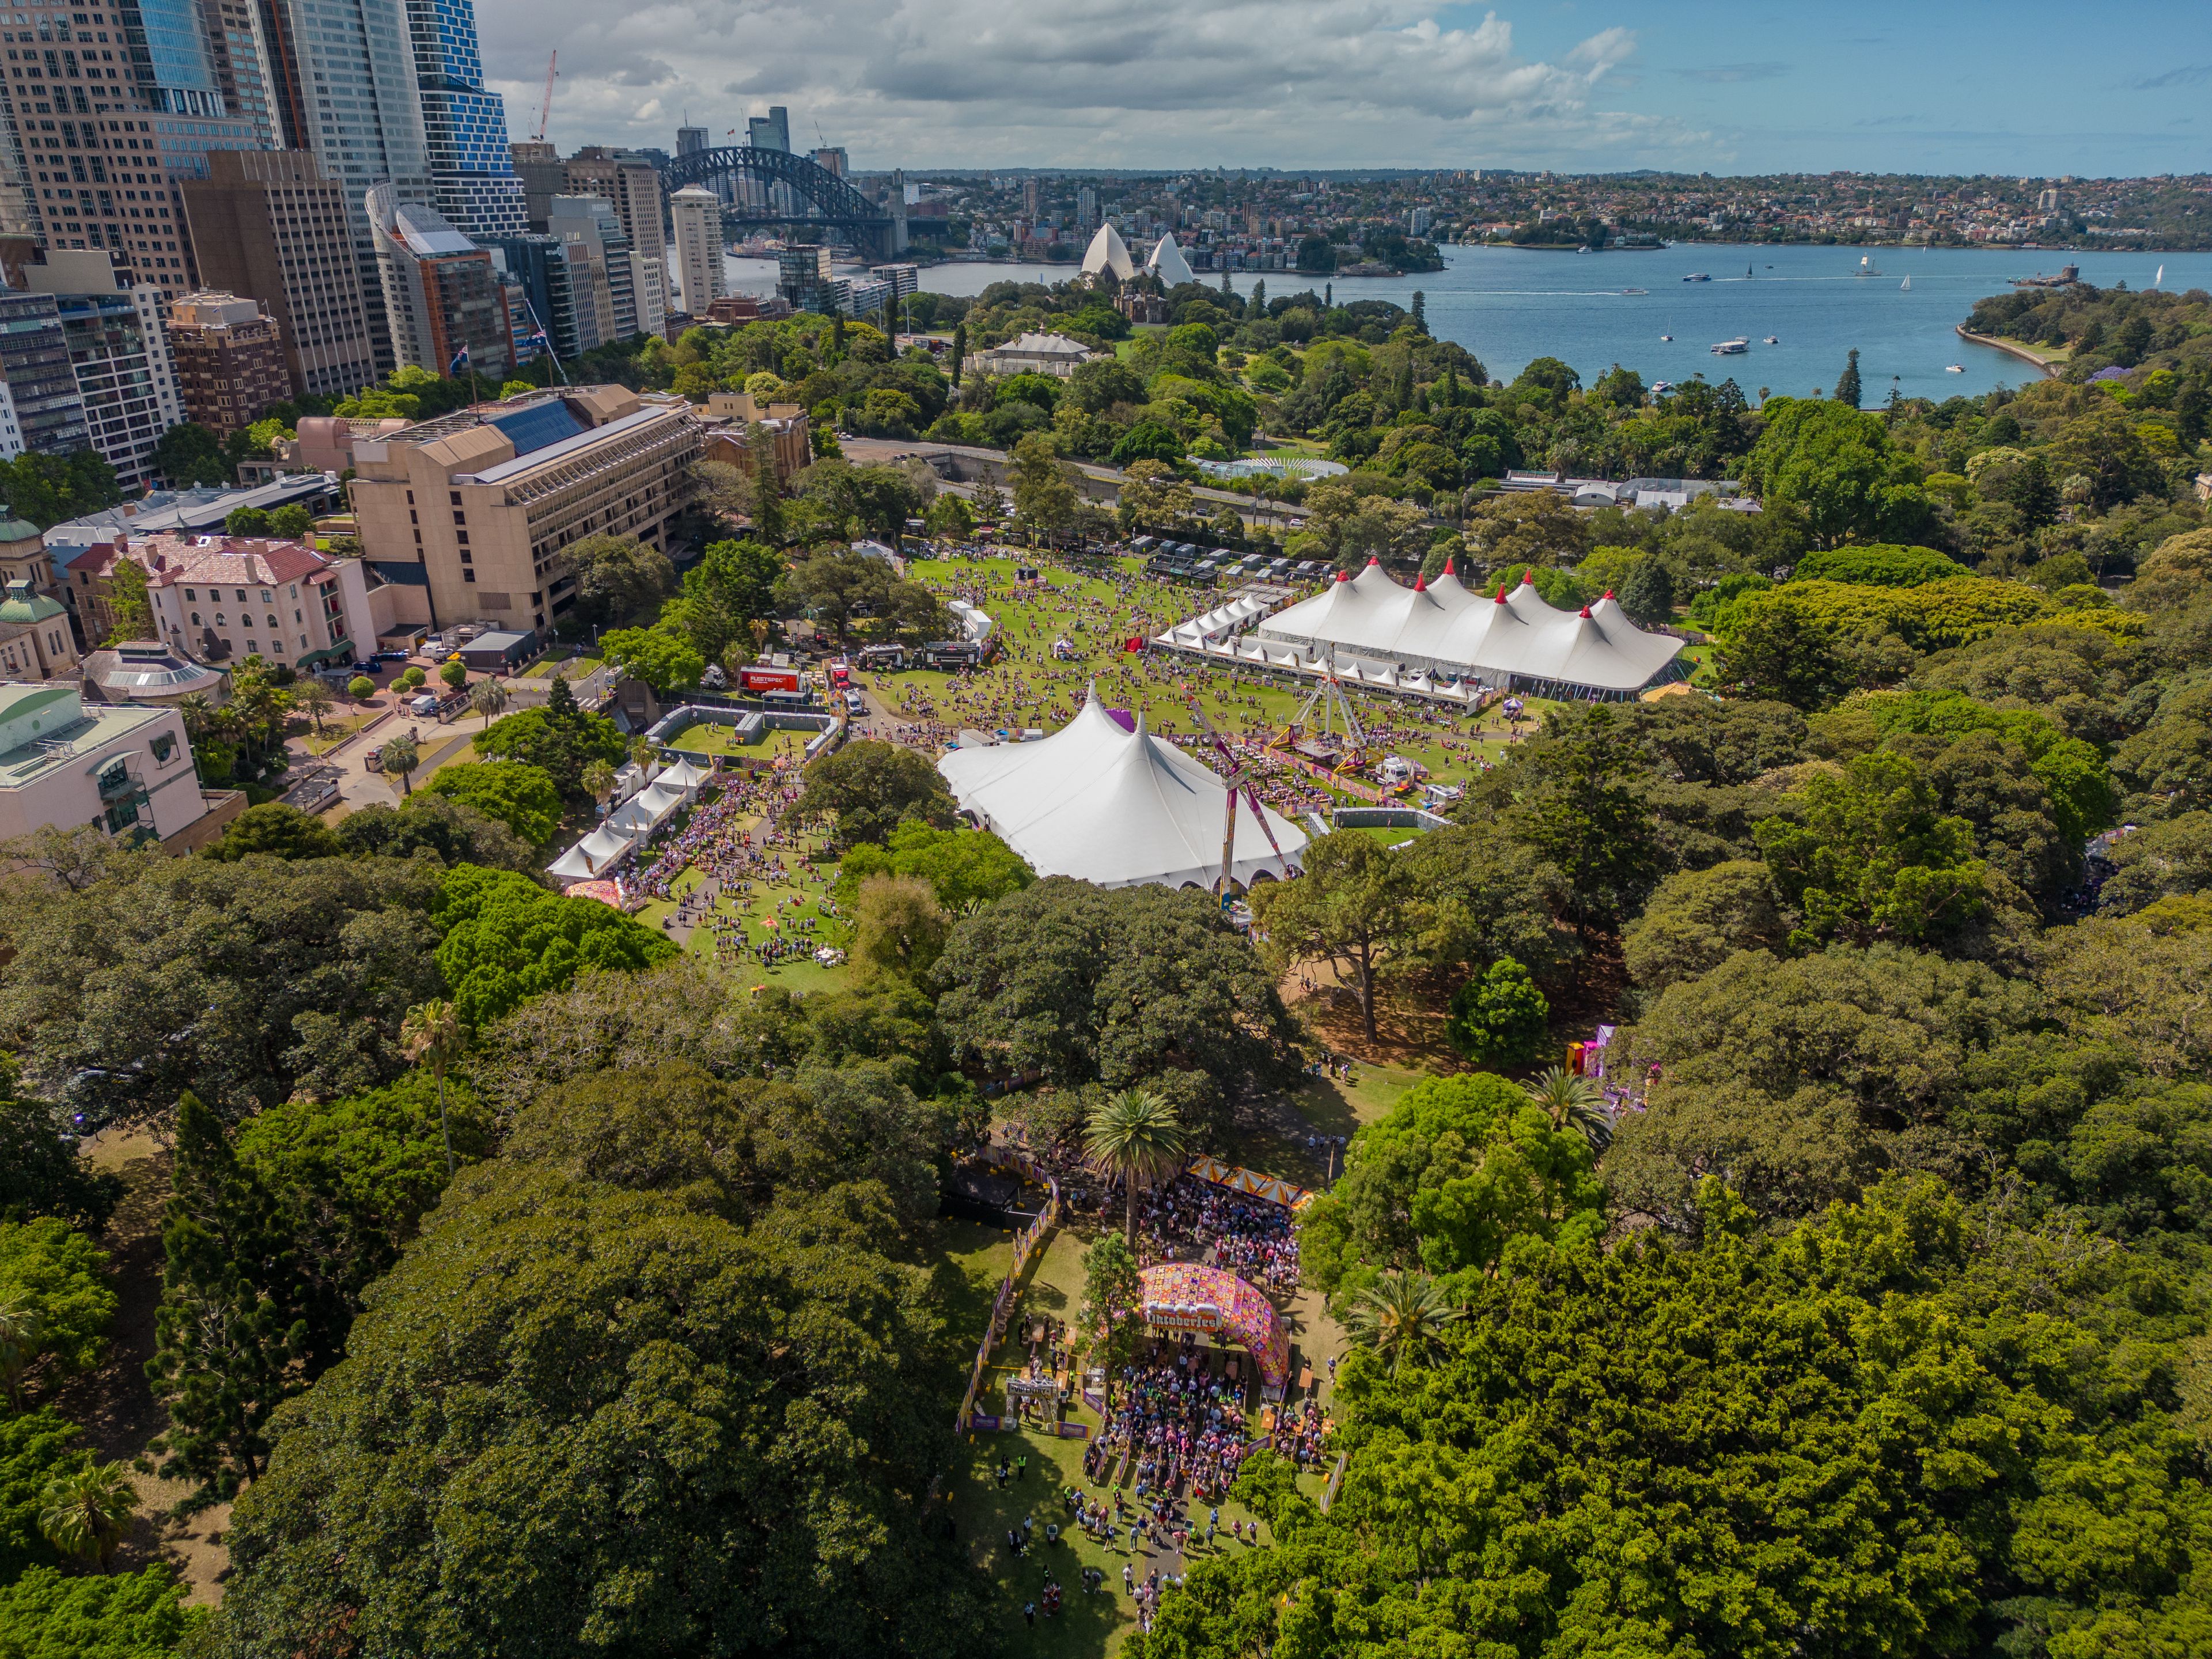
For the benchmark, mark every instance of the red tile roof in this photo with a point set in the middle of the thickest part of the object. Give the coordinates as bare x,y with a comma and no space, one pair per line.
212,560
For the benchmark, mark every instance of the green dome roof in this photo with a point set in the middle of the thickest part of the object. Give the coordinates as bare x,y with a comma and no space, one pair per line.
23,605
13,529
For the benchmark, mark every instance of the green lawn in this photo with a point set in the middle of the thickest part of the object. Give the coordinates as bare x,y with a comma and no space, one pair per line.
802,976
573,668
1028,686
709,737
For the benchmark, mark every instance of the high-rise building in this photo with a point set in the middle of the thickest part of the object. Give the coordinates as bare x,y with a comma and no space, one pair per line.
544,176
230,360
1086,208
1032,200
803,277
770,131
119,354
537,265
689,141
632,183
464,126
443,297
107,110
238,54
831,158
34,359
347,91
599,269
697,216
273,225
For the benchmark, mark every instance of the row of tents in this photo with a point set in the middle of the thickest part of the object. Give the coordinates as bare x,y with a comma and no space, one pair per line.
658,795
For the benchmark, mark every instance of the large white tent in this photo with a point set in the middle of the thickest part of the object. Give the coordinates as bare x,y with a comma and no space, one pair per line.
1107,252
1116,807
1168,264
1511,639
591,855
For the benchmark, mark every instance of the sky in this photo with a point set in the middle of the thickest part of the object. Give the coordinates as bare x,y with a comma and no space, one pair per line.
2030,87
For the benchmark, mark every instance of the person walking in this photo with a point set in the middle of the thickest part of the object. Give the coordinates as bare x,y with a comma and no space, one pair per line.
1022,1467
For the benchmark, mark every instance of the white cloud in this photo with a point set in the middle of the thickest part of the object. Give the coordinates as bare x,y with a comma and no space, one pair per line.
1114,83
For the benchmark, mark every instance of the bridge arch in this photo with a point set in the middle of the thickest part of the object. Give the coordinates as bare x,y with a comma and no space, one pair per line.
823,197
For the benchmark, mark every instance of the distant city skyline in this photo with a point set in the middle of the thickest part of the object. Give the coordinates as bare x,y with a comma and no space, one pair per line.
1576,85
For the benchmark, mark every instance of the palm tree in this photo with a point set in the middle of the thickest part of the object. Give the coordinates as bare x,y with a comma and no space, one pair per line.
401,755
1401,1316
599,781
197,713
21,1328
487,699
85,1512
315,698
642,754
1572,1102
431,1035
1137,1137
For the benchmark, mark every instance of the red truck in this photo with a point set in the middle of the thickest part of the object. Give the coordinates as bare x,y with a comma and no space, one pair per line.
756,679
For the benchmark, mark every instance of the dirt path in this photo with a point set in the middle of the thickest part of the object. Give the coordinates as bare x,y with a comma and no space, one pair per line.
113,1404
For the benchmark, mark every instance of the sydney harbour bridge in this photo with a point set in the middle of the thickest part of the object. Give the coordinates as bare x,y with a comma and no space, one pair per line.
775,189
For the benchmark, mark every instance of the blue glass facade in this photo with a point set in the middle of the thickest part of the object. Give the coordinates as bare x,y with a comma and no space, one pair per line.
464,127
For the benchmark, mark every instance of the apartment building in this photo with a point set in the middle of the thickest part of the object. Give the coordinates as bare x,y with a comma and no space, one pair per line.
472,511
119,351
34,360
442,296
696,214
230,360
272,226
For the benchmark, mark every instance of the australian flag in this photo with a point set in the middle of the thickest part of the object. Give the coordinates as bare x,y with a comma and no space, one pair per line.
459,365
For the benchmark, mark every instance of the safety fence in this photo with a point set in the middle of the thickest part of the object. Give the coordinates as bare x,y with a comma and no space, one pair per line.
1027,1244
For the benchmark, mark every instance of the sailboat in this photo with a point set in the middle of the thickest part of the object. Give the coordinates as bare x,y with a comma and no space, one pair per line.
1867,266
2160,277
1905,286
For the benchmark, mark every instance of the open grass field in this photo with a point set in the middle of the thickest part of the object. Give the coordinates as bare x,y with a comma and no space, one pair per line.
706,737
767,900
1028,688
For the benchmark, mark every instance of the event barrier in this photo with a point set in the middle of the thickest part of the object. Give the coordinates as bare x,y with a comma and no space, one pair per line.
1026,1245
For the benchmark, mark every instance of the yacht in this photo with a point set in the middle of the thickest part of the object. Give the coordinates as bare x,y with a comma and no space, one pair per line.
1954,368
1698,277
1665,337
1772,339
1734,348
1905,286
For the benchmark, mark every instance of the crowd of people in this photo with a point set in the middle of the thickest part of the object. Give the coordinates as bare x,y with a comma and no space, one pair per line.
1179,1421
1193,1220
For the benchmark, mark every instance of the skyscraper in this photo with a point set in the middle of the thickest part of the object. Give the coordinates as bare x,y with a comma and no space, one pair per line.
441,292
272,224
770,131
464,127
348,92
697,215
689,141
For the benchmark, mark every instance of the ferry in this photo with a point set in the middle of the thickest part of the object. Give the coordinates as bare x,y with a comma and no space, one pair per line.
1734,348
1698,277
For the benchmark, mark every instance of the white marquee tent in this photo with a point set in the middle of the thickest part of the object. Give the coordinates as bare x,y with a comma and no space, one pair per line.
591,855
1107,252
1509,638
1115,807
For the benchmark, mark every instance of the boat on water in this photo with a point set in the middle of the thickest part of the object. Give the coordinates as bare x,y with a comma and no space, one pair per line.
1954,368
1867,266
1665,337
2160,277
1698,277
1734,348
1635,290
1772,339
1658,387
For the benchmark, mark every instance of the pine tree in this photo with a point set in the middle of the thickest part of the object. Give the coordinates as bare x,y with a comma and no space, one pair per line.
1328,297
959,351
1257,304
224,1352
1847,386
1420,310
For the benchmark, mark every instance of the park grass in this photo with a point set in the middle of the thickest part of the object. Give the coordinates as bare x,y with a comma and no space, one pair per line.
337,728
710,738
567,667
803,976
1030,619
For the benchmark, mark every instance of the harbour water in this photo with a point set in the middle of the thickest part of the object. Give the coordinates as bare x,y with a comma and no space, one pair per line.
1508,306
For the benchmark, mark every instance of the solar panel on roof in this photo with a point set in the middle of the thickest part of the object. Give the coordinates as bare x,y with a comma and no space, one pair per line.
539,425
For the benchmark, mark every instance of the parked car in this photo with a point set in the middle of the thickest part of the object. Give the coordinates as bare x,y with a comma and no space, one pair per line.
855,704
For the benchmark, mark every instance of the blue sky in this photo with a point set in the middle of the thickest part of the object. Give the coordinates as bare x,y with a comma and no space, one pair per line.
2030,87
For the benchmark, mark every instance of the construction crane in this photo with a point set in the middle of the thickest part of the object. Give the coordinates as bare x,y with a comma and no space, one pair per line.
1237,770
545,109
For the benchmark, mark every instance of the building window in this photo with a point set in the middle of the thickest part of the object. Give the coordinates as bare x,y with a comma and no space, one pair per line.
468,575
164,748
196,619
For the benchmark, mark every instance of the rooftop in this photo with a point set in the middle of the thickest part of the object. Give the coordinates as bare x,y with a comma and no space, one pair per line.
148,668
43,728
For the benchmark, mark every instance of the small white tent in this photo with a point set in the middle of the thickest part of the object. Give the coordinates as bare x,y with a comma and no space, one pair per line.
1113,806
1168,264
1107,252
591,855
